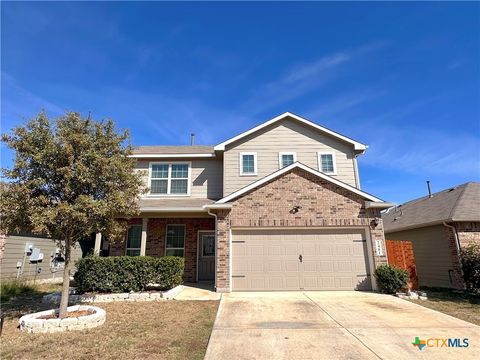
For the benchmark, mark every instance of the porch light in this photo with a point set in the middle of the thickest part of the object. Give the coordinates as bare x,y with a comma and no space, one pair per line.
295,209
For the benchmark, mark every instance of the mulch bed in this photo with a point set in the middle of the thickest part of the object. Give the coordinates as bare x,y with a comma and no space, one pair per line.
70,314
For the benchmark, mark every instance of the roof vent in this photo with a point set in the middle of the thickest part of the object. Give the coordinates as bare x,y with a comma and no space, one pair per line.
429,190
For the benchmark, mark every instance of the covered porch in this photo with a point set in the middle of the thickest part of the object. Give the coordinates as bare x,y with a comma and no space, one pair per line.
163,230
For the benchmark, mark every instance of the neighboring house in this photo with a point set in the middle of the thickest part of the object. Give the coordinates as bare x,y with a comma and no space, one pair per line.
438,226
278,207
30,257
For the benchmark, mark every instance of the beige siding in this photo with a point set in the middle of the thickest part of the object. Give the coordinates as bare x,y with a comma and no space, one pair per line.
206,176
432,254
285,136
14,252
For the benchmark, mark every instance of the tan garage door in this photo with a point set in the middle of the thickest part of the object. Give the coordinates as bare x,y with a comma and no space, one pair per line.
299,260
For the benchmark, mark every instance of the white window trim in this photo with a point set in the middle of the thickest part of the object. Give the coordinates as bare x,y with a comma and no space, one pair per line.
184,238
169,178
126,241
319,159
254,164
280,154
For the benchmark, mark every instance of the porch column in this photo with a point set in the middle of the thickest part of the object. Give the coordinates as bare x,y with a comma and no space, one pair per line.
98,242
143,240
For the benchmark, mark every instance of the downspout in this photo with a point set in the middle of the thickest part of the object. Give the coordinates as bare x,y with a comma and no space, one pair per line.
355,170
216,256
457,244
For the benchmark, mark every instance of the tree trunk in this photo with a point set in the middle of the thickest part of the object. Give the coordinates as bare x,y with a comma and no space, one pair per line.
66,282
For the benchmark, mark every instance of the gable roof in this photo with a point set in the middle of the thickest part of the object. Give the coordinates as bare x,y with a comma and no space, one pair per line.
307,169
173,151
461,203
357,146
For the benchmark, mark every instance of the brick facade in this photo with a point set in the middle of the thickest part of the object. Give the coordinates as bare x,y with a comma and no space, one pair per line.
468,232
456,276
156,240
322,203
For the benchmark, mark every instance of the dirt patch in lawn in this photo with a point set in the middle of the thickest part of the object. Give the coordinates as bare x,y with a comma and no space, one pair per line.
141,330
459,305
70,314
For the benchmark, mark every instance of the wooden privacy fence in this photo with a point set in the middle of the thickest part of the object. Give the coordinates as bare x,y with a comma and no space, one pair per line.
400,254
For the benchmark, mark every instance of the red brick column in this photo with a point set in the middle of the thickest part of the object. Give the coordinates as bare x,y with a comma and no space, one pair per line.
223,251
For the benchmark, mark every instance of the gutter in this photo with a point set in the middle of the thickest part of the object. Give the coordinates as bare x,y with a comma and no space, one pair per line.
378,205
171,156
218,206
216,244
209,212
173,209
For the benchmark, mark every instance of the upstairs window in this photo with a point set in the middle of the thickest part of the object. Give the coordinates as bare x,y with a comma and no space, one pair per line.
326,163
169,179
134,239
286,158
175,244
248,164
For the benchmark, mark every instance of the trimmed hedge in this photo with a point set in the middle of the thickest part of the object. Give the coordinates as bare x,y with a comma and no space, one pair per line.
116,274
391,279
470,256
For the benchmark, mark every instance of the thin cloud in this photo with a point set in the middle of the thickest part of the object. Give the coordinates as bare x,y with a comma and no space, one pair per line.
424,150
19,103
303,78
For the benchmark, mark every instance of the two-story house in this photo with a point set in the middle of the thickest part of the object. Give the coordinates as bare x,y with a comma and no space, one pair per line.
278,207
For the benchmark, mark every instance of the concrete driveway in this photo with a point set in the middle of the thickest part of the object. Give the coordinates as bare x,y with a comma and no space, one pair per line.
332,325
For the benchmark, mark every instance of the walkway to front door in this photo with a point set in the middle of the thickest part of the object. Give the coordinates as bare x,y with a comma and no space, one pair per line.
332,325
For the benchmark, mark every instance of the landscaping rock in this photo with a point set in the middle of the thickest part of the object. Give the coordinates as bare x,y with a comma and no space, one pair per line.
32,324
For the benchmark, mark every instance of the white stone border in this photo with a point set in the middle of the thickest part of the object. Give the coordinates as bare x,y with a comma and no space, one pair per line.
32,324
54,298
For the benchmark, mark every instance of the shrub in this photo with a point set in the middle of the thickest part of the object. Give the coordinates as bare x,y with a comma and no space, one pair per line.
13,288
390,279
470,256
127,273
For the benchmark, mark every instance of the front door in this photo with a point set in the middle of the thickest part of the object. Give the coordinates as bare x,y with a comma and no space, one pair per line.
206,256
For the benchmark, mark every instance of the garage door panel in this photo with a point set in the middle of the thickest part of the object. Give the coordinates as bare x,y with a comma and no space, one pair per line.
291,283
291,249
239,249
292,266
256,266
255,250
333,259
274,266
275,250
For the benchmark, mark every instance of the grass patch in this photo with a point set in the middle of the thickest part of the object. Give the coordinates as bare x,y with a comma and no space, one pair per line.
9,289
146,330
460,305
25,298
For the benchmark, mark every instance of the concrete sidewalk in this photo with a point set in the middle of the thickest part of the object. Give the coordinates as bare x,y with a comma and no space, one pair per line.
332,325
197,292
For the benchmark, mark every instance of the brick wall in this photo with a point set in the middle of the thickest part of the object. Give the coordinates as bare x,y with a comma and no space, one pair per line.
468,232
156,240
223,251
323,204
457,275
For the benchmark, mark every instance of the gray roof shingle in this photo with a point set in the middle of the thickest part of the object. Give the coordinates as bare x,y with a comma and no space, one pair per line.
461,203
167,149
166,204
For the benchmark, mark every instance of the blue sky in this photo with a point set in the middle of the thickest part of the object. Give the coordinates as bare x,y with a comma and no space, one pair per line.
401,77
